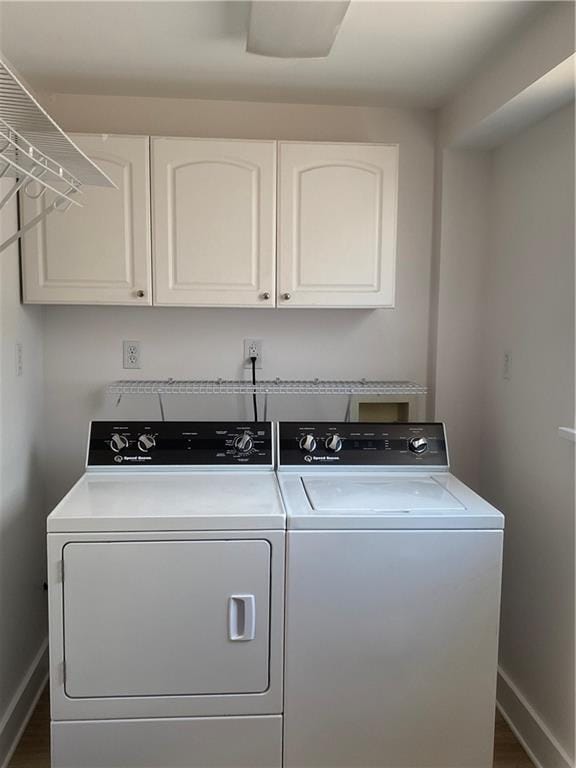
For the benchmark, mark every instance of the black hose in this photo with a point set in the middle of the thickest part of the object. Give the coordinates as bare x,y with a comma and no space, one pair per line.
254,400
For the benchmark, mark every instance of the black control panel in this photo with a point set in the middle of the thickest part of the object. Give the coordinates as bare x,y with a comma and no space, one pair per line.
362,444
179,443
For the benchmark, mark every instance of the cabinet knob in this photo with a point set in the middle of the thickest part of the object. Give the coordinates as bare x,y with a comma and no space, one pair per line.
140,294
265,295
286,296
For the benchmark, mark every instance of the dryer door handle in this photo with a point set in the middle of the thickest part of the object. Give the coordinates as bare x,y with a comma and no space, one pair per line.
241,617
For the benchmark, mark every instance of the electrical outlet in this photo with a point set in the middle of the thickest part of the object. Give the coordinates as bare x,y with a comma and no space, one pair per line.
252,348
131,354
19,358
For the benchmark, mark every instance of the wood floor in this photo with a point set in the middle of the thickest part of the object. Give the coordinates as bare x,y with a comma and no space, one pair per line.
34,748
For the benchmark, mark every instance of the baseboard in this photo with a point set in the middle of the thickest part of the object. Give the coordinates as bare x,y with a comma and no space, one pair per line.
540,744
22,705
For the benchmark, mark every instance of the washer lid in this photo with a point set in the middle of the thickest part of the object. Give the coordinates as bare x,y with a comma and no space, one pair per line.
358,495
383,500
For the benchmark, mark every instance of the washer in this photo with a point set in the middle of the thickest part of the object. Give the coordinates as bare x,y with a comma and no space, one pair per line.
166,569
393,593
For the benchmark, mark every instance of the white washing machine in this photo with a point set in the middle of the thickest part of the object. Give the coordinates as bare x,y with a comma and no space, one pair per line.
166,570
392,601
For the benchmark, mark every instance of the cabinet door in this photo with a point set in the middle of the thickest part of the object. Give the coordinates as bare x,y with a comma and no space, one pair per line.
166,618
214,205
100,253
337,225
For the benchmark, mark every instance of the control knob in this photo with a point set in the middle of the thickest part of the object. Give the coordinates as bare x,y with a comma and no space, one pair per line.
118,442
307,443
146,442
333,443
418,444
244,443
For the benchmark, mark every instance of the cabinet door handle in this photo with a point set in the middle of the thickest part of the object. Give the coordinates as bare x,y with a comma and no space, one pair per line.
265,295
241,617
140,294
286,296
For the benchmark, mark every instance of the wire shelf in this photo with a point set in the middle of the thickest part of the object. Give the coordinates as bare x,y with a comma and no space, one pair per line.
32,127
272,387
37,154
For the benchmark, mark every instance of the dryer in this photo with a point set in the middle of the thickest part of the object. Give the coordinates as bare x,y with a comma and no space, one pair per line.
166,569
392,600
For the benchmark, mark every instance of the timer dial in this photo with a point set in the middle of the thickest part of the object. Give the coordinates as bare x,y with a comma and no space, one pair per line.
244,443
307,443
418,444
333,443
146,443
118,442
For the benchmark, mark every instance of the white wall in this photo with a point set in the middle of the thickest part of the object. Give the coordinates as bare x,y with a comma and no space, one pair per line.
505,253
537,49
526,469
461,251
504,266
83,345
22,518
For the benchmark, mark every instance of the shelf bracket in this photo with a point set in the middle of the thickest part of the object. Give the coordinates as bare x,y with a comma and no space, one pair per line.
55,206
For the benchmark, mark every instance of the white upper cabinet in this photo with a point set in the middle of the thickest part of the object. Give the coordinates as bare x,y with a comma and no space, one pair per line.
214,222
337,224
99,253
213,239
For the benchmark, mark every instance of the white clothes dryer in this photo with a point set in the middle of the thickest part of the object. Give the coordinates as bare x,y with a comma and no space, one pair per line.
166,571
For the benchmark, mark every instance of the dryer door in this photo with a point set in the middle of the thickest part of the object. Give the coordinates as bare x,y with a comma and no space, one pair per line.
166,618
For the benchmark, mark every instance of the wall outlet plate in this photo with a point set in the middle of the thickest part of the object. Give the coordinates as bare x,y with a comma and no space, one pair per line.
252,347
131,354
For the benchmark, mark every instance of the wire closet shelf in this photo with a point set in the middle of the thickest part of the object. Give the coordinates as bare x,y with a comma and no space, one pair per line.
271,387
38,155
163,387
